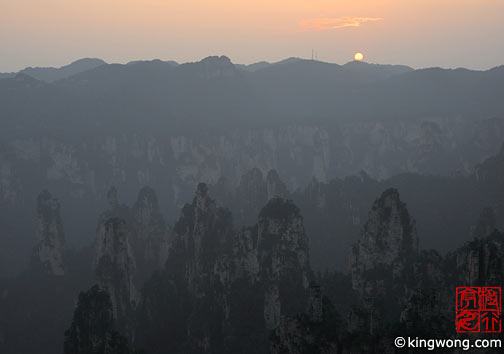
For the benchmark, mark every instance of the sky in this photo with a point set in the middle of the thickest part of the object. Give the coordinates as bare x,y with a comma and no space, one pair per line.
419,33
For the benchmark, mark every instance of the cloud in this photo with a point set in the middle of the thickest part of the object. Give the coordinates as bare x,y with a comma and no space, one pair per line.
324,24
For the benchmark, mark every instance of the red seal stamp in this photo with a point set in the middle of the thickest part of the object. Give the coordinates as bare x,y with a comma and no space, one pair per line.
478,310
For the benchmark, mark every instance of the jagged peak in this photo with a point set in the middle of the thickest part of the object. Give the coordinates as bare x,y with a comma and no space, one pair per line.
214,67
392,193
388,246
114,263
45,199
364,176
390,198
44,195
253,174
486,223
275,186
147,197
202,200
115,224
252,183
93,328
148,222
478,261
494,237
280,208
314,181
112,198
273,175
49,251
202,211
215,59
202,191
47,206
388,210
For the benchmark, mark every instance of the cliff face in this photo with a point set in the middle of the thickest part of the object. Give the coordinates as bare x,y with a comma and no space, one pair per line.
480,262
174,165
206,259
203,234
491,170
224,289
382,264
389,245
284,259
114,207
239,283
316,331
397,283
430,307
148,220
77,168
490,176
49,252
151,234
114,265
112,199
487,223
275,186
148,235
93,327
282,241
253,192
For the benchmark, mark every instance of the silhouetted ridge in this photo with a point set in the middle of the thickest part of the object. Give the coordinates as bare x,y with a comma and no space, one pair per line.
55,74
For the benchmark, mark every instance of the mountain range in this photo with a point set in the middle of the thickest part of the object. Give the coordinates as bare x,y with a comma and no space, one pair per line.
295,207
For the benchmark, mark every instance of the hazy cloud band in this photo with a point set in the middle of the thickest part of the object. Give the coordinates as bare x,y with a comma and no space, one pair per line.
324,24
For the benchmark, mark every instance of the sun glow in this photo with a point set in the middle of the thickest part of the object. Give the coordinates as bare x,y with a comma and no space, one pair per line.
358,56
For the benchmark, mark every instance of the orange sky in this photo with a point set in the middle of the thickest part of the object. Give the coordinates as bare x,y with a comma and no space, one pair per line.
420,33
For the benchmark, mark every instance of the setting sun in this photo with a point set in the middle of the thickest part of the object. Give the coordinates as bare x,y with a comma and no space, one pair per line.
359,56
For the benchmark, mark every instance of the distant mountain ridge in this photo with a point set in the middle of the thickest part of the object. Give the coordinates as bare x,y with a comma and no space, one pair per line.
49,74
52,74
294,89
